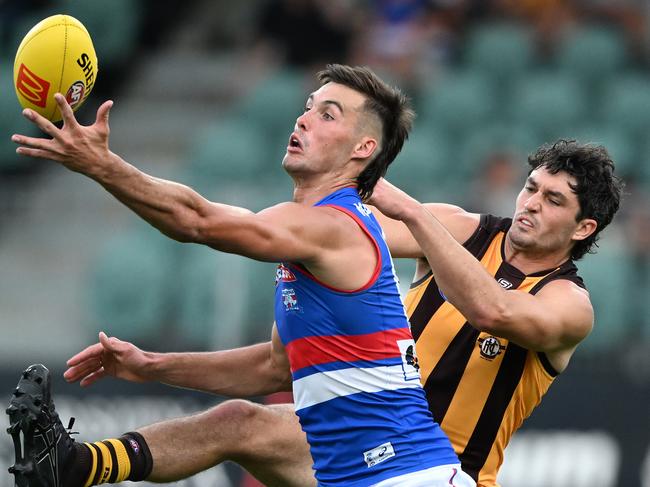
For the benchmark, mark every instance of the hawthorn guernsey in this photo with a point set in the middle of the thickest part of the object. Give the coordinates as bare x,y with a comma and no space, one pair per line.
356,382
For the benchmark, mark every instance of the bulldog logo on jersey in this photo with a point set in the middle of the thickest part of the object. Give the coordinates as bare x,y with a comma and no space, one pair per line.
284,274
290,300
490,347
411,358
410,364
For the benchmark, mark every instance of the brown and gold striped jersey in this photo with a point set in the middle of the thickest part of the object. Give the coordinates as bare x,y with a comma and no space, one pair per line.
480,387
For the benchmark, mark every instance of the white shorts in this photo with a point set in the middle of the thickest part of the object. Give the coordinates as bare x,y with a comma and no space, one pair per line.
441,476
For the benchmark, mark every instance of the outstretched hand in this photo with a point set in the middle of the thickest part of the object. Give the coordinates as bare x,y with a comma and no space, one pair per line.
79,148
109,357
392,201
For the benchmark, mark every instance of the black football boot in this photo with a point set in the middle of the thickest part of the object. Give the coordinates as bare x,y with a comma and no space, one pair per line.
42,445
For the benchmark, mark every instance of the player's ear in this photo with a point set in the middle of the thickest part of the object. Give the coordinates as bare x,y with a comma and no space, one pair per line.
365,148
585,228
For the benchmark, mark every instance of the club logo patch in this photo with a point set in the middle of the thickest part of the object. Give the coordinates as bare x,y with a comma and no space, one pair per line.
410,364
411,358
490,347
290,300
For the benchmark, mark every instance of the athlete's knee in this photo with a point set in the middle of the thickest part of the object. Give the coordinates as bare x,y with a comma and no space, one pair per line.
231,413
238,418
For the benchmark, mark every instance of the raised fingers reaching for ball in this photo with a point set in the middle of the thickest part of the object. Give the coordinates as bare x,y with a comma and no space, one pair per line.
80,148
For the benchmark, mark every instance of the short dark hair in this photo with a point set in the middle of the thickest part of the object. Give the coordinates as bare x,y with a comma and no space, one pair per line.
597,188
388,103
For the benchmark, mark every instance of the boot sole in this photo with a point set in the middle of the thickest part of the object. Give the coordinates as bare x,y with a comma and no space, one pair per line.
24,408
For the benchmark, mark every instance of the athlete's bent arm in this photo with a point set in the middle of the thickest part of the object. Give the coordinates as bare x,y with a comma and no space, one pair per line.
221,372
558,317
460,224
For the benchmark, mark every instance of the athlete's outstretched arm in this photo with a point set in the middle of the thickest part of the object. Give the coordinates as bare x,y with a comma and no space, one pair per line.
557,318
267,368
285,232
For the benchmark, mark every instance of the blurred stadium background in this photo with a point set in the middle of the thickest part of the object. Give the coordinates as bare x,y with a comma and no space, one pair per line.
206,93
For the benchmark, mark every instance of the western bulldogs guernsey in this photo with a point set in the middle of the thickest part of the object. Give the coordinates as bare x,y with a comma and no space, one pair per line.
356,383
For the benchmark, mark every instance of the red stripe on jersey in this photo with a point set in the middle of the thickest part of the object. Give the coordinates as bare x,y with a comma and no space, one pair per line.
315,350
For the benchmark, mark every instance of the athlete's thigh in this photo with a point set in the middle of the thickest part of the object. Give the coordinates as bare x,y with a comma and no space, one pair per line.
278,455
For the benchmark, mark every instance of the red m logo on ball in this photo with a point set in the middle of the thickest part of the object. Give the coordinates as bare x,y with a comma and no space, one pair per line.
32,87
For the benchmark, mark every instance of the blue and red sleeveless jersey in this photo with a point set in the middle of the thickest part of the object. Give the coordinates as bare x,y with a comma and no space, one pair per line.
356,383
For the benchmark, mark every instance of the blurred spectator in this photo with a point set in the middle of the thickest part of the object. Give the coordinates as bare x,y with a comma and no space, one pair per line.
631,16
535,11
307,33
409,39
497,184
549,18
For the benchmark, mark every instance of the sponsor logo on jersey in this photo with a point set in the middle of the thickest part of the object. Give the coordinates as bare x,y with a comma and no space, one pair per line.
75,93
410,364
33,88
290,300
284,274
378,454
363,209
490,347
505,284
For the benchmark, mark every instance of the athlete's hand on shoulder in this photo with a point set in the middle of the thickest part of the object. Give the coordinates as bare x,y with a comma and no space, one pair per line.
77,147
110,356
392,201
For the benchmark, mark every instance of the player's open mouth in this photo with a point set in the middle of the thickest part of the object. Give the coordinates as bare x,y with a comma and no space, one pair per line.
294,144
525,221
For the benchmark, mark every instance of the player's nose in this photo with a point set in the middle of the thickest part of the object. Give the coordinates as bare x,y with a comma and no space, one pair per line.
302,121
532,203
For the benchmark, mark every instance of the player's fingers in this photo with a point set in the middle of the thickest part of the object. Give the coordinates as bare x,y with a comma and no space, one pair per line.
92,378
91,352
102,114
72,374
33,142
41,122
66,111
39,153
103,338
109,343
77,372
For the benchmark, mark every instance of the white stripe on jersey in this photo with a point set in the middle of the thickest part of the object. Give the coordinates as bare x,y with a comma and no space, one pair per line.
324,386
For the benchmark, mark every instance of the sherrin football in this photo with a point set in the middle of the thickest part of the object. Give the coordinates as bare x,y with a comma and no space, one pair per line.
56,56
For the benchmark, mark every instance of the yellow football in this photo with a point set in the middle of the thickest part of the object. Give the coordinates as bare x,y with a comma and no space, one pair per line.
56,56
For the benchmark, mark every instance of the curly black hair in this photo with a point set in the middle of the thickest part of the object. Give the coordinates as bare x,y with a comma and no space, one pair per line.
389,104
597,188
